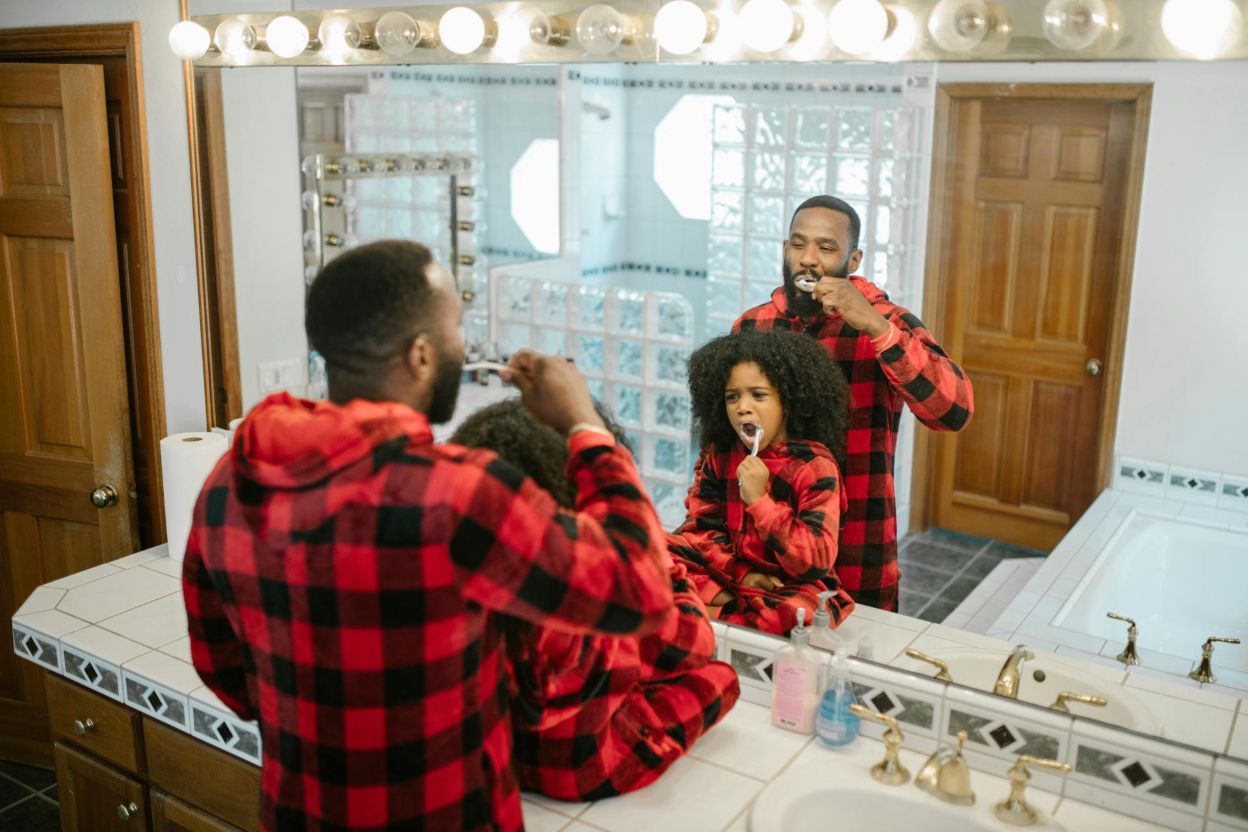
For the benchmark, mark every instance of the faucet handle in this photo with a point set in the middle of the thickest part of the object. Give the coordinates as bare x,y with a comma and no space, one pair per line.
1128,654
1226,639
1065,696
942,669
1204,673
888,771
1119,617
1015,810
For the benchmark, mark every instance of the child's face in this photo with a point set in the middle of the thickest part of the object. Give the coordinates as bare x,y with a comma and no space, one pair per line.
753,403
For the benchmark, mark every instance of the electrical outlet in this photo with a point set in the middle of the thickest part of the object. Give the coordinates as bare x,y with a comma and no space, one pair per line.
281,375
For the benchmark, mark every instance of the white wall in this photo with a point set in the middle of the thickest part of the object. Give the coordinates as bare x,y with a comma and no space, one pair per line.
169,168
262,153
1184,386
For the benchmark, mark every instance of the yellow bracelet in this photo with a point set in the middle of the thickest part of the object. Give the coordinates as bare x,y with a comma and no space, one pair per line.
580,426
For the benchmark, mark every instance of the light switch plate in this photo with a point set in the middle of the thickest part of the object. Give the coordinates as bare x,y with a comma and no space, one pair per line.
280,375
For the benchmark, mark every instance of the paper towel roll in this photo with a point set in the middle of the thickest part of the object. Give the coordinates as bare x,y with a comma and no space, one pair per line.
186,460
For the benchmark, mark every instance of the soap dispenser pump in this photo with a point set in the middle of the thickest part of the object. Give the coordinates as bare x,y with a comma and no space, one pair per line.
947,776
821,633
796,669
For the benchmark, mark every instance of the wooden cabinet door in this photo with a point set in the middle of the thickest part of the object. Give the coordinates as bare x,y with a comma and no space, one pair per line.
64,422
172,815
95,797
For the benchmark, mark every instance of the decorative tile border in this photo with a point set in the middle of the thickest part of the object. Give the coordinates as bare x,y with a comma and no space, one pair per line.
915,702
1234,494
1229,802
647,268
99,675
1192,485
225,731
999,729
1184,483
751,654
36,647
155,700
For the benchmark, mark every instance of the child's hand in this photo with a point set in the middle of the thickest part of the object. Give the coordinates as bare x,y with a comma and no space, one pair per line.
722,598
752,477
761,580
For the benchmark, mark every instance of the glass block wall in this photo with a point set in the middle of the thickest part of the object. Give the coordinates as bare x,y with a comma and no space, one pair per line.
632,346
768,158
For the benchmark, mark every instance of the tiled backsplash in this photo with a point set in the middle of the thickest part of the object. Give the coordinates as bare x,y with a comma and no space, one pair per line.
1223,490
1164,783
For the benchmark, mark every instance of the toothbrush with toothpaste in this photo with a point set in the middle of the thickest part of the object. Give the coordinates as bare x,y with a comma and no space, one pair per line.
752,433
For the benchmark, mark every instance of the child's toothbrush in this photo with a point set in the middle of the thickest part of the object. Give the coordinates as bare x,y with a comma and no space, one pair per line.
758,435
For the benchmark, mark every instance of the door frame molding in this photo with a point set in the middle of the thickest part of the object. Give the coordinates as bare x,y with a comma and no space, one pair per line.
945,171
121,40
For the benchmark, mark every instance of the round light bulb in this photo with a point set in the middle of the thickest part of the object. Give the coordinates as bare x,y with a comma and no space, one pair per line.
339,35
858,26
234,38
461,30
397,33
966,25
1074,25
1202,28
680,27
901,39
189,41
766,25
600,29
286,36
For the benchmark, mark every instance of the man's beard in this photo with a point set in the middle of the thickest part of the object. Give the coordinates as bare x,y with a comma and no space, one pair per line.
445,390
804,303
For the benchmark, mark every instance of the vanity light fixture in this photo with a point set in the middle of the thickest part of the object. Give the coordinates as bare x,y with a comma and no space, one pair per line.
189,40
526,27
600,29
234,38
1202,28
286,36
681,27
859,27
901,39
339,35
398,33
1076,25
962,26
463,30
767,25
812,37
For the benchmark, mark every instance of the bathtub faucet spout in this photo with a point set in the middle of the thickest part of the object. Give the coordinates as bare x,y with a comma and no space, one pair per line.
1204,673
1007,679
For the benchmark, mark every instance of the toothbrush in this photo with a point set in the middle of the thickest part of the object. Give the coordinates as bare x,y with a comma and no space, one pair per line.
487,366
758,435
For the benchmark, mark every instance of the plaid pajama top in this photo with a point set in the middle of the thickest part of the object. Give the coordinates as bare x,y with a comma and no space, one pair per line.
338,581
915,371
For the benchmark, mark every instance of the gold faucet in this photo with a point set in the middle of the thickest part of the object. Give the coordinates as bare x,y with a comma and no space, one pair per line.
1204,673
942,669
1015,810
1065,696
947,776
888,771
1007,679
1128,654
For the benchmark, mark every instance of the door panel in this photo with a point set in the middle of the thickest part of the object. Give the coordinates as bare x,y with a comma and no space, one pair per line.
95,797
64,426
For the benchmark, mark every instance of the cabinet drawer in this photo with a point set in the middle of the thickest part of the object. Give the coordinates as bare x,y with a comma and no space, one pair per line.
180,765
172,815
88,720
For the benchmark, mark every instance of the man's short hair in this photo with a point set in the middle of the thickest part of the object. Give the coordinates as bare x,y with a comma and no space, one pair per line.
369,304
833,203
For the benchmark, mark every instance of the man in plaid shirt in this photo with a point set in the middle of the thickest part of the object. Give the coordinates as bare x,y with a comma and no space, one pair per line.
889,359
342,569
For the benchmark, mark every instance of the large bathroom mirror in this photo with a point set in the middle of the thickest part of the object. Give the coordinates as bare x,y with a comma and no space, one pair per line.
623,214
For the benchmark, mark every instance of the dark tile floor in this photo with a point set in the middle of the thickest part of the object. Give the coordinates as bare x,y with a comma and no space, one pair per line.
939,569
28,799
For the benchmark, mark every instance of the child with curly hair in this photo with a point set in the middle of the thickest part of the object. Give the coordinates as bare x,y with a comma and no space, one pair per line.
595,716
764,510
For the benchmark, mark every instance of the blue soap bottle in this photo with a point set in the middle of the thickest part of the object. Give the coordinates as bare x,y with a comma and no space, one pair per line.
835,723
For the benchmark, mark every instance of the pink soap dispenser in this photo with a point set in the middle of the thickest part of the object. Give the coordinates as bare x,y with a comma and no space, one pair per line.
796,671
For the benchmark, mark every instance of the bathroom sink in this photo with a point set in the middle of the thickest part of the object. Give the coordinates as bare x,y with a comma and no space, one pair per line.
978,669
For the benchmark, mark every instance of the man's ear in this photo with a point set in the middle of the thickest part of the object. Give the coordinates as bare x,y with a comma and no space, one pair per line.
855,260
420,359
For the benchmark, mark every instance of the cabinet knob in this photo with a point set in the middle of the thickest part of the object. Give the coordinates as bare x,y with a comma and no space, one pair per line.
125,811
82,726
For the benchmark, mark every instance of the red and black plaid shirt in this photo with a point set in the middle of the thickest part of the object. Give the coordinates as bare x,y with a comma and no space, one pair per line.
597,716
791,533
338,580
914,370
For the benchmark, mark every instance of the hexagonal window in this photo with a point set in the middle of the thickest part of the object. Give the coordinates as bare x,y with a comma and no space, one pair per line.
535,194
682,154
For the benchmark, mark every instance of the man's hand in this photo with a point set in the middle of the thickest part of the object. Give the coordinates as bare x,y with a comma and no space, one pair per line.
838,294
752,478
761,580
722,598
552,389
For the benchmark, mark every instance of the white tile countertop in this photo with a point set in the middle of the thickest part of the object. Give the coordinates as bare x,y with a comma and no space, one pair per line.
120,629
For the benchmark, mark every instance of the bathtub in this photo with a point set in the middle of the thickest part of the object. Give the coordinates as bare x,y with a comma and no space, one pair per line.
1180,580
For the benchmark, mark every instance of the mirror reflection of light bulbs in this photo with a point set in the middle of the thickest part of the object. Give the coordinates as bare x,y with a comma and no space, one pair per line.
766,25
812,23
461,30
286,36
525,27
1202,28
680,27
600,29
397,33
902,38
339,35
858,26
189,41
234,38
1075,25
966,25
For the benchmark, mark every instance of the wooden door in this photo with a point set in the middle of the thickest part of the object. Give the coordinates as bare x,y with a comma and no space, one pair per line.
64,424
172,815
1037,209
95,797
